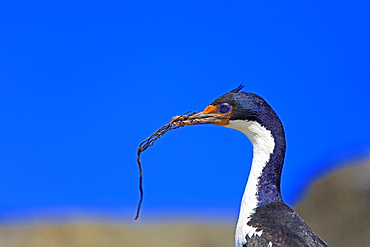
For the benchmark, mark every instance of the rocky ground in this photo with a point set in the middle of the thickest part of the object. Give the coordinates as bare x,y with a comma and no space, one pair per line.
337,208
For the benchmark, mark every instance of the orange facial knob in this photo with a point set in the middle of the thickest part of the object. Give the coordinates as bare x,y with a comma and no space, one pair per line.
210,109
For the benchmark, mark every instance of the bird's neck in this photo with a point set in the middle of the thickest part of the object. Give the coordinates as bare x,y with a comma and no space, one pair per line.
263,184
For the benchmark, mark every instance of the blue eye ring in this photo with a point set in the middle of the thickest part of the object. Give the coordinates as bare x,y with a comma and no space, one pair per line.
224,108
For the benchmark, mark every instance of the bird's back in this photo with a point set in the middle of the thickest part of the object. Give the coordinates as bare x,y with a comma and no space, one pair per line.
280,226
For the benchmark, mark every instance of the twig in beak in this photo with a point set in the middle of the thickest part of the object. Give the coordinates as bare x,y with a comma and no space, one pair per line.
149,142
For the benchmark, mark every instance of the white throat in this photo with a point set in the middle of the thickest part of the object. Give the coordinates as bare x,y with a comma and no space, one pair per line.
263,146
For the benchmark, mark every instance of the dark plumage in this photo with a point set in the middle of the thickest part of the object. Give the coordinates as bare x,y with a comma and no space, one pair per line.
281,226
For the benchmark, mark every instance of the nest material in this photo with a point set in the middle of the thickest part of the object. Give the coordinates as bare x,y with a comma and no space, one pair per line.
174,124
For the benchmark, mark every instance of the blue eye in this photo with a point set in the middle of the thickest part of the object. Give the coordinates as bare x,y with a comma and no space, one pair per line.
224,108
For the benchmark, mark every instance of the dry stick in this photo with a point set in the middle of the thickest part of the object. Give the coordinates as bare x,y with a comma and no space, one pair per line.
142,147
149,142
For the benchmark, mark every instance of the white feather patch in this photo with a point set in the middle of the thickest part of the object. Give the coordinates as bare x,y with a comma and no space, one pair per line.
263,146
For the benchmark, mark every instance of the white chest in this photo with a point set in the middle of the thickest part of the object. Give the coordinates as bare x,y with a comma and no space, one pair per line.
263,146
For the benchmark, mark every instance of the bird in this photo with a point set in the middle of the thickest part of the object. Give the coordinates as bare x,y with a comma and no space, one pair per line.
264,218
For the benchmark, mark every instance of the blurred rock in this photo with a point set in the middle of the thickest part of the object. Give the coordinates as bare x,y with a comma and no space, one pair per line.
337,207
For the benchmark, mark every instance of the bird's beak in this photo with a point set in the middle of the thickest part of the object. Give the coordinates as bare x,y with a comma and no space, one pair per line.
208,116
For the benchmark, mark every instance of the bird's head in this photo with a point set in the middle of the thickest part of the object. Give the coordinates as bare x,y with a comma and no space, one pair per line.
235,105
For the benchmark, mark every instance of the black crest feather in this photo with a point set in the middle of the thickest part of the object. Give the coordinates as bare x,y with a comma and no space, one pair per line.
237,90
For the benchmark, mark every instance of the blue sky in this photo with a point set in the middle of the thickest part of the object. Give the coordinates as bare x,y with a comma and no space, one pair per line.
82,84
